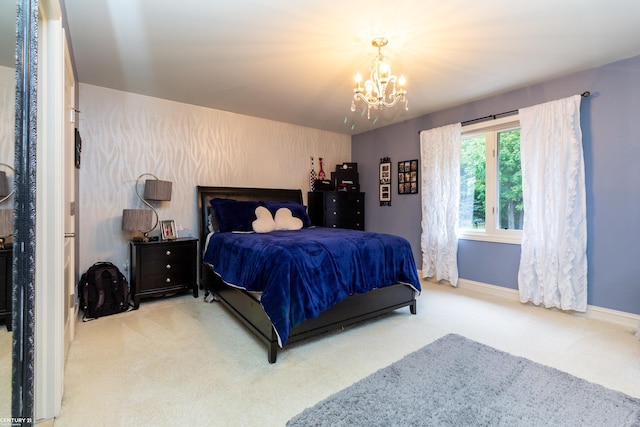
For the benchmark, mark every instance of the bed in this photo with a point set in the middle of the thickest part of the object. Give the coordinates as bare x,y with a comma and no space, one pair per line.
279,311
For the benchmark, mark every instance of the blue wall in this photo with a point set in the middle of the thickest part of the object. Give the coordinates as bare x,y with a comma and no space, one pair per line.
610,120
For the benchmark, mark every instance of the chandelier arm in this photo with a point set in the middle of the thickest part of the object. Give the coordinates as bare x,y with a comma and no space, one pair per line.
155,213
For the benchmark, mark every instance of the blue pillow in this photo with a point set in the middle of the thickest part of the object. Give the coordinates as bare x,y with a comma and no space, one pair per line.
235,215
297,210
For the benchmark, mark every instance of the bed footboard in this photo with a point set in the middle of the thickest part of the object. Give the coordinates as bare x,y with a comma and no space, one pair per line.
353,309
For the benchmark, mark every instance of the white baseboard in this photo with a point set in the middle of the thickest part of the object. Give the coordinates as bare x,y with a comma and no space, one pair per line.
622,318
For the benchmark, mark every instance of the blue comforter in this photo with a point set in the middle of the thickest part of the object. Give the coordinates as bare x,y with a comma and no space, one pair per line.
302,273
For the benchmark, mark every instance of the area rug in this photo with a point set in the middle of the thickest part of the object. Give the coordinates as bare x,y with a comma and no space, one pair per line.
455,381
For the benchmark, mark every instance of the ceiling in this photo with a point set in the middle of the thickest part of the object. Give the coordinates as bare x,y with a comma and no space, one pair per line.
294,60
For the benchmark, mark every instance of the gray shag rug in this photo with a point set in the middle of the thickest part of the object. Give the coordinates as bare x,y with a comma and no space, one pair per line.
458,382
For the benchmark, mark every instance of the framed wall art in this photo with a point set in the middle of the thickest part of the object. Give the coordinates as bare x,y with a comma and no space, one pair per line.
385,181
408,177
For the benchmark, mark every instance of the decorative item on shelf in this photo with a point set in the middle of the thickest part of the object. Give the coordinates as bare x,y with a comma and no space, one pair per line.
6,215
385,181
380,90
168,228
312,177
345,178
321,174
408,177
143,220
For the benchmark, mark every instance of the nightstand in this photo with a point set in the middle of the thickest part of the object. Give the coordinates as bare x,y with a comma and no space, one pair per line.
163,267
6,280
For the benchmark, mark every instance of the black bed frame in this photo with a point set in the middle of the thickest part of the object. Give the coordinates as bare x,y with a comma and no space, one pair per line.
248,310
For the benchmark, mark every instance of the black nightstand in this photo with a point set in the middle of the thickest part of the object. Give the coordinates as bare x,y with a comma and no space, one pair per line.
336,209
163,267
6,280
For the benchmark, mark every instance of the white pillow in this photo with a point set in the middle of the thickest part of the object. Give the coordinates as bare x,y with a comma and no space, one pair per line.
264,222
284,220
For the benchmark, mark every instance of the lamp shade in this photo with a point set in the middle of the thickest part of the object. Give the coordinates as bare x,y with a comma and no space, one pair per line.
137,220
155,189
6,222
4,184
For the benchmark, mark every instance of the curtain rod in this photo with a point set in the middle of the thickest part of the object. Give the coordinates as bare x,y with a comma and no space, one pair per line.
584,94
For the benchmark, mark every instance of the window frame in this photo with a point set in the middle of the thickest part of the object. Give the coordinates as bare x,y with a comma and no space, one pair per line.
491,233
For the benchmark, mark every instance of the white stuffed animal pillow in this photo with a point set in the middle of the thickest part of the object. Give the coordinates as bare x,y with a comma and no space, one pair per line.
285,220
264,222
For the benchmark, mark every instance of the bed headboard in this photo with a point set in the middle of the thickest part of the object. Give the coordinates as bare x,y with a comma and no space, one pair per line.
205,194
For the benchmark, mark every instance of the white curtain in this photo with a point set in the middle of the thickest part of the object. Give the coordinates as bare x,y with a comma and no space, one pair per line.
440,158
553,262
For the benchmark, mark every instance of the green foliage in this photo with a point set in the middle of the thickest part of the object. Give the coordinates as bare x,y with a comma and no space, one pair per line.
473,182
510,180
473,207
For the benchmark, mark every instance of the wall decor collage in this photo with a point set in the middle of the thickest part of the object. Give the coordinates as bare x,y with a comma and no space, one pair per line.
407,179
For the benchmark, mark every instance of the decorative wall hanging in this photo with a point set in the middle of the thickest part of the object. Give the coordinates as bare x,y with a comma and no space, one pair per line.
385,181
408,177
78,148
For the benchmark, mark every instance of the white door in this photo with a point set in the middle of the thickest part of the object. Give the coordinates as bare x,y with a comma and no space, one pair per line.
70,278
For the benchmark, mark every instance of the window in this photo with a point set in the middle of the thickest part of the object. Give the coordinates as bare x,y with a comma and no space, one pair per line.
491,206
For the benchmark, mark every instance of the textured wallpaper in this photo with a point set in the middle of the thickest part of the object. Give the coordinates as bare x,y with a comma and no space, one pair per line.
7,123
125,135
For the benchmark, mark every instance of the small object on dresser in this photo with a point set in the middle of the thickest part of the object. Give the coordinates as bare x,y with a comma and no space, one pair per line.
323,185
312,176
321,174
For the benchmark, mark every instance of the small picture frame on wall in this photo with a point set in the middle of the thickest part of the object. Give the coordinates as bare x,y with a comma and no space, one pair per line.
385,181
168,229
408,177
385,193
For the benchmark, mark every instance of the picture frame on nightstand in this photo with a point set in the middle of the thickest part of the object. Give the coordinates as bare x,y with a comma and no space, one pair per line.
168,230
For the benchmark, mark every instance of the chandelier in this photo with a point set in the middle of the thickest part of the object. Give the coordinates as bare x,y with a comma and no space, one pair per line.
383,89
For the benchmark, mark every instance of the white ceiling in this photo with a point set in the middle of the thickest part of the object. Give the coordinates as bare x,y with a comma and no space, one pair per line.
294,60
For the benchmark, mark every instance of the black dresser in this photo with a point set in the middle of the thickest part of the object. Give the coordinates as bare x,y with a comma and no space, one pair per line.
337,209
6,280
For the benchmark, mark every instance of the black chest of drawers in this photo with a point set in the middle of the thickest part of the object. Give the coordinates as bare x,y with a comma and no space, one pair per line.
6,276
336,209
163,267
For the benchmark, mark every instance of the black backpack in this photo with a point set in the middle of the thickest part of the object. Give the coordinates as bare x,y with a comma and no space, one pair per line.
103,290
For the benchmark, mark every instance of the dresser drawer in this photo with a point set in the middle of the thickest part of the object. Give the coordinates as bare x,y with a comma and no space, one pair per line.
159,266
164,252
162,281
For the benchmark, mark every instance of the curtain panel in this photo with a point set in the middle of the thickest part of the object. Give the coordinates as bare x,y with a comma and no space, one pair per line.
440,159
553,263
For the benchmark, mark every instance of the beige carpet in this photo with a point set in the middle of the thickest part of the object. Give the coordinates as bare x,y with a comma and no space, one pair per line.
180,361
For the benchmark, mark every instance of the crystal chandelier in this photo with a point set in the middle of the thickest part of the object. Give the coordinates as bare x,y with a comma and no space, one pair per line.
380,90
